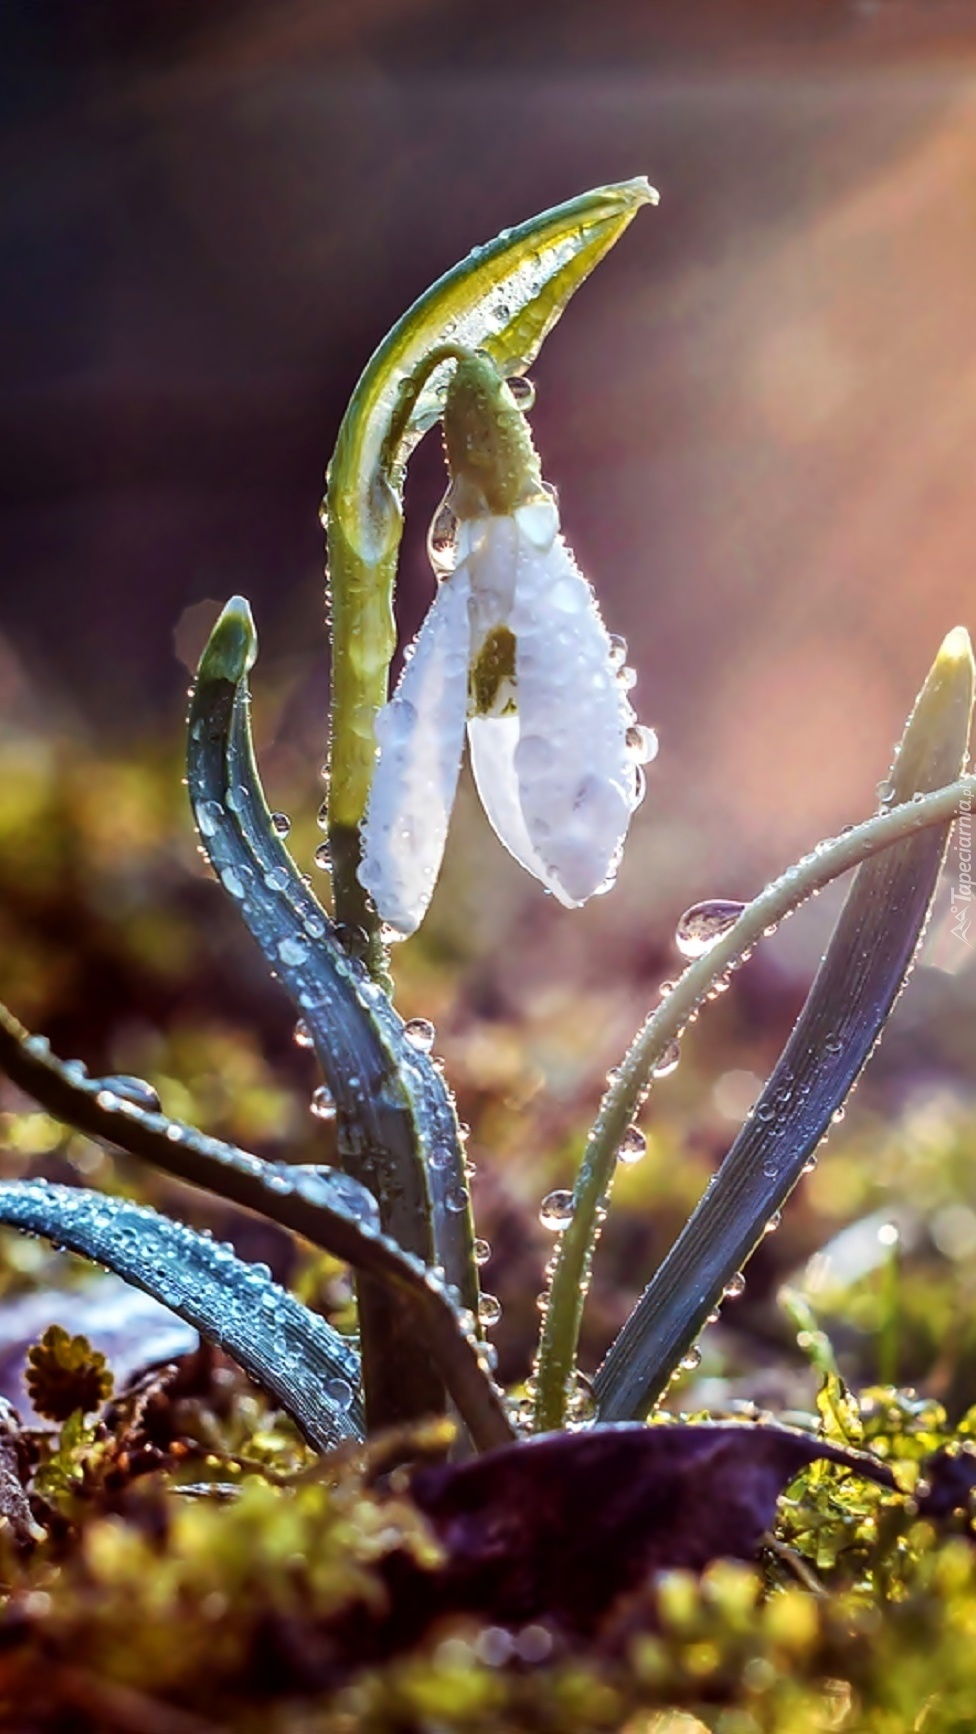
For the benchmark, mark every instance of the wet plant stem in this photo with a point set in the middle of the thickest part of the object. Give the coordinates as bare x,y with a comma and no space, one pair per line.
556,1366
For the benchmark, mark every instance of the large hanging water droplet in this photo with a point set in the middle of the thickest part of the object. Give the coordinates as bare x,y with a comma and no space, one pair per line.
442,539
668,1063
703,924
281,824
420,1033
489,1310
632,1145
323,1103
556,1210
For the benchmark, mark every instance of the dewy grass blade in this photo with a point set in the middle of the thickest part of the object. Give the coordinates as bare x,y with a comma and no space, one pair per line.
555,1372
305,1365
862,973
326,1207
398,1133
504,298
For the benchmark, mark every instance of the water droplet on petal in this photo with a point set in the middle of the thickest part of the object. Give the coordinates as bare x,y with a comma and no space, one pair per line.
323,1103
703,924
420,1033
456,1200
556,1210
632,1145
489,1310
442,539
481,1251
281,823
642,744
668,1062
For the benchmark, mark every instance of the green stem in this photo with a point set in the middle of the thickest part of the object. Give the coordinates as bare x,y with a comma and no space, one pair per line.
623,1100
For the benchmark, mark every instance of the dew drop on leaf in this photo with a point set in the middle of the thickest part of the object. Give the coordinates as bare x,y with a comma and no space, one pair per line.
302,1034
668,1061
632,1145
281,824
556,1210
489,1310
481,1251
704,923
323,1103
131,1089
420,1033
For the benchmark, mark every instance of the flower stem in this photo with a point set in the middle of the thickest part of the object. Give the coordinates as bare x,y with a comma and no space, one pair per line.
560,1331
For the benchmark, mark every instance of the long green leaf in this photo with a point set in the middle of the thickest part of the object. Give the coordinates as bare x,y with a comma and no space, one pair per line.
398,1133
862,973
295,1355
326,1207
504,298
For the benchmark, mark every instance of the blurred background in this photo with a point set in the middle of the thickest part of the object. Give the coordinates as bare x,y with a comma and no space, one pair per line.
761,418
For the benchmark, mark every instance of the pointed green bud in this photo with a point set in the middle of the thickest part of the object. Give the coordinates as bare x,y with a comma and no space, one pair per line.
493,463
232,646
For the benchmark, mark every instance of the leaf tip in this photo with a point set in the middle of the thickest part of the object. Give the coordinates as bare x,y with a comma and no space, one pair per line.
232,646
956,647
640,192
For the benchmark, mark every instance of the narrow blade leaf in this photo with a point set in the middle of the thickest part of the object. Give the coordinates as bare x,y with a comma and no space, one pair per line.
398,1133
295,1355
328,1208
862,973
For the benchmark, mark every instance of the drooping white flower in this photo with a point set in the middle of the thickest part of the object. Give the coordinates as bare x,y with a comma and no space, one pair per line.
515,650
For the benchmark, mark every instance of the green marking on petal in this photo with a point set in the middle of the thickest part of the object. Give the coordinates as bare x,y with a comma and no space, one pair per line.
492,668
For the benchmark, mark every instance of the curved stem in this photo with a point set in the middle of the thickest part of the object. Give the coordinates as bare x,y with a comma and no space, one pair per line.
561,1325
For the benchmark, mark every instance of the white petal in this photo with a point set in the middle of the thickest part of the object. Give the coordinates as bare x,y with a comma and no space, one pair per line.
420,734
492,741
578,783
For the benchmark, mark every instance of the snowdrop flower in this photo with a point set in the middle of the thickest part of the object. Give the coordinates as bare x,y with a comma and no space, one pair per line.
514,652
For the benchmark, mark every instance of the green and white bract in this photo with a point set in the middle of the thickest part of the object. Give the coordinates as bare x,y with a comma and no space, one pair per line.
513,648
